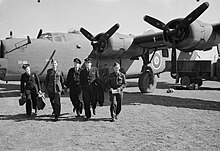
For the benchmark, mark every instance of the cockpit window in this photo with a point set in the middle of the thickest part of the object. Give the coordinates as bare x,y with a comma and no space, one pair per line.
46,36
56,37
59,38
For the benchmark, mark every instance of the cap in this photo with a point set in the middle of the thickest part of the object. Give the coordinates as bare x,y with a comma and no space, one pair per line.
52,61
116,64
25,66
77,60
88,60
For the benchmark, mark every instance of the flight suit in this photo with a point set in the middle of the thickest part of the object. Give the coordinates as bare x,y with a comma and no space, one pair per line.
89,91
30,86
54,85
73,83
115,81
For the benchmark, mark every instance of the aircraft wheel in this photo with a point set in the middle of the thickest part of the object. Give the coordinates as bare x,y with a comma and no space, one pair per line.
185,80
147,82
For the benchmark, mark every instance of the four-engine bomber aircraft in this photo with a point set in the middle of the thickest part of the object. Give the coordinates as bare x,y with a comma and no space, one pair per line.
185,34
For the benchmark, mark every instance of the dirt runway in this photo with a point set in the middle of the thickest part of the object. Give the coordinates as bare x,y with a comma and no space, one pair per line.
186,120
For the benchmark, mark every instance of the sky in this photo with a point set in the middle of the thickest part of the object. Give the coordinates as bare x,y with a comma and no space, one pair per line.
26,17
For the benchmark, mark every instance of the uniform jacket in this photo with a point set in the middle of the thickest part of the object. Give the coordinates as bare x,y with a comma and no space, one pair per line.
105,73
116,80
29,82
54,81
88,77
73,78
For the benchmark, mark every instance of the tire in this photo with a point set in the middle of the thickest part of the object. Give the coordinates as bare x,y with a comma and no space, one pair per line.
147,82
185,80
199,82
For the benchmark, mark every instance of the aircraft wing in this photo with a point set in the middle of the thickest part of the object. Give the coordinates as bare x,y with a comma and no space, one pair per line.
154,40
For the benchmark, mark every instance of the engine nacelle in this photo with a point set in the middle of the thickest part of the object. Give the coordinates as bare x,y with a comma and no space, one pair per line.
199,36
117,45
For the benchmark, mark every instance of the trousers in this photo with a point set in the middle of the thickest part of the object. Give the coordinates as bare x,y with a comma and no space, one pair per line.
55,103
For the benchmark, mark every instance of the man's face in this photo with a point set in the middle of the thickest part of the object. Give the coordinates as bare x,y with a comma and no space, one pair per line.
28,69
76,64
54,64
88,64
117,68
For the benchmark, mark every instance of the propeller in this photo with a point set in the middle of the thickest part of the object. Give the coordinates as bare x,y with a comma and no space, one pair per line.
2,50
174,32
39,33
100,42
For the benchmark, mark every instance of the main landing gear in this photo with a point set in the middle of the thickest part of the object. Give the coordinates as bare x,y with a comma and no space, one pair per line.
147,82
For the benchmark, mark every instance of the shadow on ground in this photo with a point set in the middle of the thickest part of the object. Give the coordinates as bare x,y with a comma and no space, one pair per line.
135,98
50,118
9,90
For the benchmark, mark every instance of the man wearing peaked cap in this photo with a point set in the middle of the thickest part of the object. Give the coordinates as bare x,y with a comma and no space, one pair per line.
25,66
30,87
73,83
116,83
77,60
88,60
88,78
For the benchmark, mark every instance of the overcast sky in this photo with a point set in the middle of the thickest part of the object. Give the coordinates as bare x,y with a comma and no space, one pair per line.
26,17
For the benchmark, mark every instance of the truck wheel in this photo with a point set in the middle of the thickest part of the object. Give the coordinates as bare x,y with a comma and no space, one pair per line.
199,82
147,82
185,80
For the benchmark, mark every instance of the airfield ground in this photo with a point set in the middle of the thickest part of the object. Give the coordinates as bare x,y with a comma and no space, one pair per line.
186,120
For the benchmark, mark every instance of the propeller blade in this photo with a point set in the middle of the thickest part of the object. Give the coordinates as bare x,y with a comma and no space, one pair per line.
87,34
39,33
45,67
2,50
154,22
111,31
11,34
193,15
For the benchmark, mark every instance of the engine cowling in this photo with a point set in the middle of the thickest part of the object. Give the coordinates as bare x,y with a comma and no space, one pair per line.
197,36
117,45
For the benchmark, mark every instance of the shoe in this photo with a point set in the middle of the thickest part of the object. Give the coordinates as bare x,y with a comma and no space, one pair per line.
93,111
87,118
35,112
113,119
56,119
78,114
28,116
116,116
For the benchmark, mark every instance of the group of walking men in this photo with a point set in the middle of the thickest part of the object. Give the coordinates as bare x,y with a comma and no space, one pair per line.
79,80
